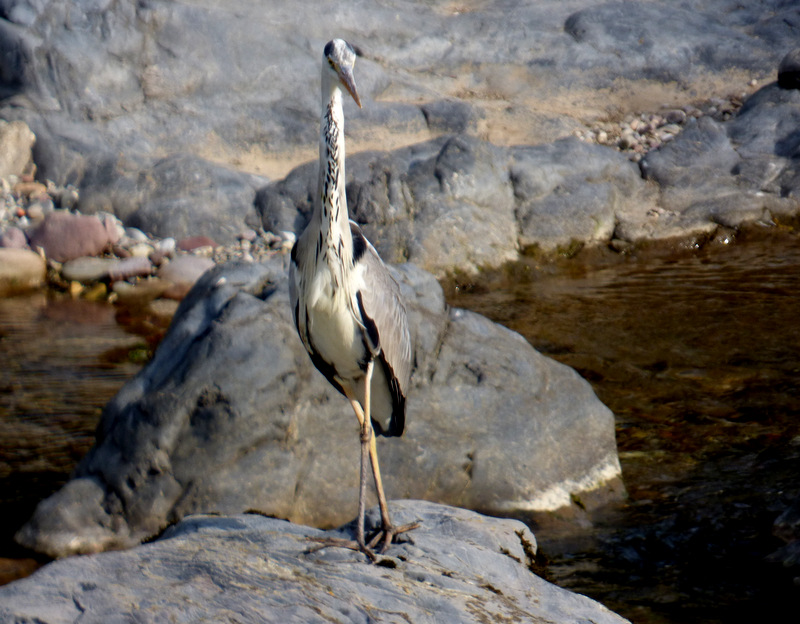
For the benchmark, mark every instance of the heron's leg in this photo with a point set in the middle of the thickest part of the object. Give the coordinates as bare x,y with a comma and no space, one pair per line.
365,429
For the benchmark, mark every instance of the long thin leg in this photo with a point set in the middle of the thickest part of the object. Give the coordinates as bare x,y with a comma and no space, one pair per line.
369,456
388,531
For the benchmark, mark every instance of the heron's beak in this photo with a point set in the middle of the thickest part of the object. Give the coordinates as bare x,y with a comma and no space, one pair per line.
346,76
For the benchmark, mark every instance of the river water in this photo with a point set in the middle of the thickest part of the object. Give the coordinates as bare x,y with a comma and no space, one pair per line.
696,351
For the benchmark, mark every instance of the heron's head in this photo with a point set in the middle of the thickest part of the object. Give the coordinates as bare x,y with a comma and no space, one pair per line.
341,58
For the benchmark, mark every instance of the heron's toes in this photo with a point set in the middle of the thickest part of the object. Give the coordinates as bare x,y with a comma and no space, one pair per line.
386,535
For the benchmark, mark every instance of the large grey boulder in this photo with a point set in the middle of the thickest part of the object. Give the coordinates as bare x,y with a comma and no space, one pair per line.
458,566
442,204
230,415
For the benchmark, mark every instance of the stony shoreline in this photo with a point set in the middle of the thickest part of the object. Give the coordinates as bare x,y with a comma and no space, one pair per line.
130,266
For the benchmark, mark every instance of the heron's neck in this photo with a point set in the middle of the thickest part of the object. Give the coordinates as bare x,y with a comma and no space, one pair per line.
333,217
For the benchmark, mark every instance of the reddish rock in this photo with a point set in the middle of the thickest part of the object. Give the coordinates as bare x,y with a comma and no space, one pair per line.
65,236
13,238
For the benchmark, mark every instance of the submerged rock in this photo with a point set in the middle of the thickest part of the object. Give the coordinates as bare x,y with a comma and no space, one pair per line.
230,415
458,566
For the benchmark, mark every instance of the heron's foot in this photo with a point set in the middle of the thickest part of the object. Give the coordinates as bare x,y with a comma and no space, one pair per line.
338,542
386,535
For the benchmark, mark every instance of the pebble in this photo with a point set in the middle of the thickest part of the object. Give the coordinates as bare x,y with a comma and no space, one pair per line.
183,272
141,250
195,242
637,134
135,266
87,269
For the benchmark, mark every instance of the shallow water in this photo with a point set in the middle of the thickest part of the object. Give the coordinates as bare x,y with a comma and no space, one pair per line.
62,360
697,352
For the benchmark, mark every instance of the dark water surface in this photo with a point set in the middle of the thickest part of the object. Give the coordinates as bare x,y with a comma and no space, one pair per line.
61,360
697,352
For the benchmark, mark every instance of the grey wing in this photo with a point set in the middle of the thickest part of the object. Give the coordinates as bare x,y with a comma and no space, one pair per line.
386,320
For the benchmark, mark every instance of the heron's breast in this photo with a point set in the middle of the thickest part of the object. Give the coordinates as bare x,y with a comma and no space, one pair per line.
333,329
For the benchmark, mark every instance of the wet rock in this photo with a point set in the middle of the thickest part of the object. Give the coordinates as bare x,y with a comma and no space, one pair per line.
492,424
20,270
182,273
458,566
65,236
789,70
16,142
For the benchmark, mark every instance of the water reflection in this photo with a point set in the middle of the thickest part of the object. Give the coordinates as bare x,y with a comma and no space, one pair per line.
62,360
698,356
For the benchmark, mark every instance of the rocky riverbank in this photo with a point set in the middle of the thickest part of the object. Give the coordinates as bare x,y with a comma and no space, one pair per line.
170,135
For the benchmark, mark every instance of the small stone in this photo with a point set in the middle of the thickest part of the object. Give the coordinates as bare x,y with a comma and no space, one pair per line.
135,266
194,242
136,235
183,272
248,235
166,246
87,269
114,227
97,292
30,189
676,116
140,250
14,238
68,198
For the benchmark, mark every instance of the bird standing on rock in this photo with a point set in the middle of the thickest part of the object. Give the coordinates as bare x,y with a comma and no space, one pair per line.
346,305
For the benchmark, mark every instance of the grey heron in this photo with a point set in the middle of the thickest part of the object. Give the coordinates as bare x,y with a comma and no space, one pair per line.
346,305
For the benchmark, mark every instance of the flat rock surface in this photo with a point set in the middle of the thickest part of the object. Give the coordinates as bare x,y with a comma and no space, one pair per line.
458,566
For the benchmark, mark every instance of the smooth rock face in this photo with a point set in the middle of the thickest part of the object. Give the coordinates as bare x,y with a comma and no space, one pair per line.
230,415
458,566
